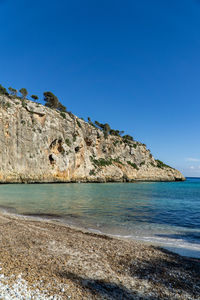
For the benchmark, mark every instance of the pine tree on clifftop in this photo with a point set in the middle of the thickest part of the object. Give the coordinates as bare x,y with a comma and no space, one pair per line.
12,91
53,102
24,93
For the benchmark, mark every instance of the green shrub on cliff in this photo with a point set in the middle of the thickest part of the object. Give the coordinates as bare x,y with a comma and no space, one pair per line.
61,107
92,173
68,143
63,115
135,146
127,138
7,105
78,123
101,162
132,165
3,90
115,143
161,164
117,160
34,97
74,137
116,132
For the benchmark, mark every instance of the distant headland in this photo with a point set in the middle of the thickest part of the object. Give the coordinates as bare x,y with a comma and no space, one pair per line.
46,143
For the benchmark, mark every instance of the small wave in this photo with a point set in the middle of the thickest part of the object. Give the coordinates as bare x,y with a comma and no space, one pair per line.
179,246
8,209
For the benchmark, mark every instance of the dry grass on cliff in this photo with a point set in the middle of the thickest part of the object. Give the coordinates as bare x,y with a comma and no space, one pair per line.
74,264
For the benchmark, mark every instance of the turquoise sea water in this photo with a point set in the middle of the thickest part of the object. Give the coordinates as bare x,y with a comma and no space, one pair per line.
167,214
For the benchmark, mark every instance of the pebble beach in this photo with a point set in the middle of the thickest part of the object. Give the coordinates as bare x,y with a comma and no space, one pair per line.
42,259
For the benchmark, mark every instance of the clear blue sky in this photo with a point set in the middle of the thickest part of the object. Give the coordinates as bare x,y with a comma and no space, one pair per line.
133,64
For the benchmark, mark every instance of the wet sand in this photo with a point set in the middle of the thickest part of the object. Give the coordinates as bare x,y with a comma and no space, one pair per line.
68,263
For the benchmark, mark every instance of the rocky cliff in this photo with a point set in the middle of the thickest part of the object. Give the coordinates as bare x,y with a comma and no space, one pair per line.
39,144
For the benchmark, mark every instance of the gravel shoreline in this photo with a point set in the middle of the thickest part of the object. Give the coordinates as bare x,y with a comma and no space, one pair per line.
49,260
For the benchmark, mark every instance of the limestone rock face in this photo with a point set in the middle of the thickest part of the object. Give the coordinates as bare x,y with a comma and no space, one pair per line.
38,144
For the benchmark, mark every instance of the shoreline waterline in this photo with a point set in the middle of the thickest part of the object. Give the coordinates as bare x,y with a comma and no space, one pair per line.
184,249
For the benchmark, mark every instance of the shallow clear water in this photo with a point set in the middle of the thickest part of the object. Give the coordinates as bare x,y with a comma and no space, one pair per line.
165,213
